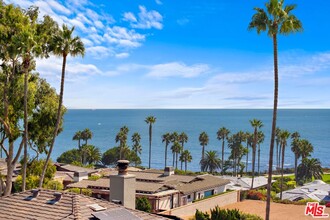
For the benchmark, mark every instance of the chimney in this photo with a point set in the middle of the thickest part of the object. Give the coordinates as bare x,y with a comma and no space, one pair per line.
122,186
78,176
168,171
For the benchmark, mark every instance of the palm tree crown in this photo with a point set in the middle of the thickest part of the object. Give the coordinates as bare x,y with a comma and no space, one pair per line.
222,134
211,162
203,140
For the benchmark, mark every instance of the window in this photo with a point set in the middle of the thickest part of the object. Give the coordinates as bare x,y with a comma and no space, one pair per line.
189,196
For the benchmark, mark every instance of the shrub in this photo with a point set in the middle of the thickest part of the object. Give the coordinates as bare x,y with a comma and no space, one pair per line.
86,192
304,201
143,204
199,215
54,184
255,195
245,216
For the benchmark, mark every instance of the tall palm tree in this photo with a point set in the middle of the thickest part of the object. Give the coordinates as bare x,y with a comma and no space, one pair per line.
64,44
183,138
306,148
77,137
211,162
256,124
284,137
176,149
121,137
222,134
92,154
249,141
167,139
308,169
137,148
174,138
86,135
261,138
203,140
150,120
186,158
277,19
295,148
277,139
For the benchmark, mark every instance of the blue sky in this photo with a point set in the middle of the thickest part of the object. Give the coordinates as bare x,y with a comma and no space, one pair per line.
187,54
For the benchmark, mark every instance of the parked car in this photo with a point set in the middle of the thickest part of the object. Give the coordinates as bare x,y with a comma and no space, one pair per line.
328,204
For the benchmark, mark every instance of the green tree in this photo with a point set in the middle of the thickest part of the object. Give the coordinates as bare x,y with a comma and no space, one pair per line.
167,139
137,148
77,137
308,169
143,204
110,157
306,148
91,153
295,148
86,135
203,140
176,149
183,138
237,150
222,134
284,135
185,158
150,120
256,124
249,142
70,156
277,139
64,44
121,137
211,162
261,139
276,19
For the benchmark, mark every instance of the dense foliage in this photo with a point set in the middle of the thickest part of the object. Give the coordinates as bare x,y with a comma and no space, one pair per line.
143,204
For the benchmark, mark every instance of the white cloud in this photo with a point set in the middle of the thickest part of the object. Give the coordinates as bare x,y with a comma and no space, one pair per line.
123,37
122,55
99,52
146,19
158,2
59,8
129,16
177,69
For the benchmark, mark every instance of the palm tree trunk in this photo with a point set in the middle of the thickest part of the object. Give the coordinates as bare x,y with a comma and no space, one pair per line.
173,159
282,166
271,148
25,138
56,125
254,148
295,166
181,153
258,159
185,166
176,160
247,158
277,156
150,133
165,155
222,156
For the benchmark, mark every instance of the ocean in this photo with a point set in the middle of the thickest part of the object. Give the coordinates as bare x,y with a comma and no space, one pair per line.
313,125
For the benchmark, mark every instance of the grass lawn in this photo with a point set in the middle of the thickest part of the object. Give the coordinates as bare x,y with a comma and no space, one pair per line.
326,178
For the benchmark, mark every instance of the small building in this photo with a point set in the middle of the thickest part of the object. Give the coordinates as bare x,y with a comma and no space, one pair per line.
316,190
244,183
50,204
164,189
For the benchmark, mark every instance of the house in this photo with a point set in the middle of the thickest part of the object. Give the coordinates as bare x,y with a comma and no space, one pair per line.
164,189
50,204
316,190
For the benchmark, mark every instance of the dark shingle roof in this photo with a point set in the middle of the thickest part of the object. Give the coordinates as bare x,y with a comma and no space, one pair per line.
71,206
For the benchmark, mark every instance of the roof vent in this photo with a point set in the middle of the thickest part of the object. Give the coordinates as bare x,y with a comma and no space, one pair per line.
116,201
58,197
96,207
35,194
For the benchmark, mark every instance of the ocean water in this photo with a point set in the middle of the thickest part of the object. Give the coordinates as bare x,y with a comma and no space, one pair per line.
313,125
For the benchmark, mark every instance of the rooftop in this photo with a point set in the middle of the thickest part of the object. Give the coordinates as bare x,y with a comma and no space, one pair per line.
21,206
